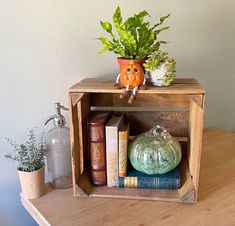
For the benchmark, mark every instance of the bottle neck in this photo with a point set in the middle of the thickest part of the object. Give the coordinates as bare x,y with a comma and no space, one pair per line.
58,126
59,121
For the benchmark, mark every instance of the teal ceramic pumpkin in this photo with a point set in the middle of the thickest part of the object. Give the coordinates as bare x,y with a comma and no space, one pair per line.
154,152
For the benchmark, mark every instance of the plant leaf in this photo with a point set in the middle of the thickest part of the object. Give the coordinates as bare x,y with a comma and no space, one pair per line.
106,26
161,21
106,44
137,20
162,29
127,39
155,47
117,17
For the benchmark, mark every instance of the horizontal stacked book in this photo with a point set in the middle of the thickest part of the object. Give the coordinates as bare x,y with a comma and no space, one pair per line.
136,179
108,150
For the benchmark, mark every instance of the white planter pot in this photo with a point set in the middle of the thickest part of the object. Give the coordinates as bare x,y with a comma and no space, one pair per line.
32,183
160,76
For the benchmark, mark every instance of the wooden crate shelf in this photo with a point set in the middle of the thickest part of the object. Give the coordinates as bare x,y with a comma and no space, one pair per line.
179,108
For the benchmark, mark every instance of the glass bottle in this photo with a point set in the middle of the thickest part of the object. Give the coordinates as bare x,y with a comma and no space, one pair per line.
58,146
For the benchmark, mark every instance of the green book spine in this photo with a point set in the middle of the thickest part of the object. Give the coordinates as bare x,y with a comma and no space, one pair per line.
137,179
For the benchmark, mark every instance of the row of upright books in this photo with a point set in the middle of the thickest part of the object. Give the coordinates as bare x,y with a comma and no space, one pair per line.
108,138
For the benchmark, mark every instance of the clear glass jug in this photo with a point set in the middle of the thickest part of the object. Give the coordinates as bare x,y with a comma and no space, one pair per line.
58,151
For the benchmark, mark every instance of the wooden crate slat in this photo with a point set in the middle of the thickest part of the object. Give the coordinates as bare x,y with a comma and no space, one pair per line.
157,101
147,120
196,119
110,79
103,85
108,88
74,138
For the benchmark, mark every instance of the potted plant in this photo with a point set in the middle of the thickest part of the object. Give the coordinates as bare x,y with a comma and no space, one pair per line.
160,68
30,157
136,40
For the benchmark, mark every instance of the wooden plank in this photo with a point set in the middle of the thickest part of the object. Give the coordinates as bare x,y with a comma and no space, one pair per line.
187,191
163,101
197,99
74,137
80,129
103,85
108,88
76,97
141,109
196,119
110,79
143,121
37,216
83,111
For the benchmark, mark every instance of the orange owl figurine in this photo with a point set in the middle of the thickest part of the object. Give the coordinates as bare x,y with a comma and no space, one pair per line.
131,77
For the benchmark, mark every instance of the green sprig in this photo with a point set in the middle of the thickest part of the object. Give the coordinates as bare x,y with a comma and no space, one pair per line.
30,156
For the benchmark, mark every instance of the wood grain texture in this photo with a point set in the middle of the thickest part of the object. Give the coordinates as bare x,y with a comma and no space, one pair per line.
216,204
143,121
106,85
79,114
196,121
156,101
83,110
74,138
76,97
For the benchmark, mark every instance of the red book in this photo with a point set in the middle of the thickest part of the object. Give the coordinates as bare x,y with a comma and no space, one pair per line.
97,147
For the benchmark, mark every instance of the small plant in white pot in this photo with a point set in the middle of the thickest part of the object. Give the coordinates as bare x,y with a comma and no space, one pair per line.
30,157
161,68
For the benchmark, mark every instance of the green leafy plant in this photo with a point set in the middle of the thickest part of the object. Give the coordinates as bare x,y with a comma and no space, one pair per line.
154,60
136,37
30,156
161,68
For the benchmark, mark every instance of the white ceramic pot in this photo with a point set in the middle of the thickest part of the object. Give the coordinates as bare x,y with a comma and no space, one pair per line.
163,75
32,183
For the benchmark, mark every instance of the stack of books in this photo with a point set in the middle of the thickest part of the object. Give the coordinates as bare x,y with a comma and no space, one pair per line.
108,137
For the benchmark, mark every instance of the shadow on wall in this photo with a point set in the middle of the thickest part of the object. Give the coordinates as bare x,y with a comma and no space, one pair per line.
12,212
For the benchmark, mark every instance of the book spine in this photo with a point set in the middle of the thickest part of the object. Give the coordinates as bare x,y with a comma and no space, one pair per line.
97,154
122,153
148,183
112,156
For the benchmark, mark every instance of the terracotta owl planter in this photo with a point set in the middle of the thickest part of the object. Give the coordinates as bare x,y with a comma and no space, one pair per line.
131,77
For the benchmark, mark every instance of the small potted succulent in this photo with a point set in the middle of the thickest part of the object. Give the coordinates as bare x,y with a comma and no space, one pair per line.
30,157
160,68
136,40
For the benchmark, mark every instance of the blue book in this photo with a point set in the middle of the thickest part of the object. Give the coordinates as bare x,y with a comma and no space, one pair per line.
136,179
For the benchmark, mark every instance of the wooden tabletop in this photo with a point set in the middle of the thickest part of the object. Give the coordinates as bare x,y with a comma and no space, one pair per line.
106,85
216,204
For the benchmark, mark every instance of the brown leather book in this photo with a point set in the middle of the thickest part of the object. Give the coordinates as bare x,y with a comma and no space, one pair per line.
97,147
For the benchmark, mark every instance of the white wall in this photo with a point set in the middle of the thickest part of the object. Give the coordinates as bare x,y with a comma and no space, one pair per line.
46,46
